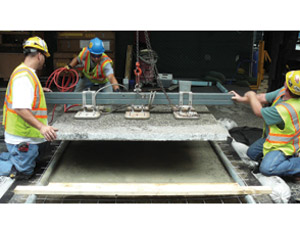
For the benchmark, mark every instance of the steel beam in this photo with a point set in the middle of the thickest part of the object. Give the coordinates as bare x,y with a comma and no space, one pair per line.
104,98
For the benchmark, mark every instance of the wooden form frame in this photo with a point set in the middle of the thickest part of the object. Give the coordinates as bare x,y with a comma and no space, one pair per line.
133,189
142,189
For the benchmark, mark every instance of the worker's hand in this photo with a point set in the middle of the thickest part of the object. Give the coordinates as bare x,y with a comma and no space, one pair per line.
48,132
68,66
117,90
46,89
237,97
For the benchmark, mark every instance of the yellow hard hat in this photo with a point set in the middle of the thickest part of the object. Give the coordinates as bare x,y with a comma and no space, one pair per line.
37,43
293,81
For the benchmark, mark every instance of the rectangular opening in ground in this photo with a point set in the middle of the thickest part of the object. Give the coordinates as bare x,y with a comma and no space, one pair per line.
140,162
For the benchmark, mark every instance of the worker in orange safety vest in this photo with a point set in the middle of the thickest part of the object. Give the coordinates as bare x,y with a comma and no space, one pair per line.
25,113
95,67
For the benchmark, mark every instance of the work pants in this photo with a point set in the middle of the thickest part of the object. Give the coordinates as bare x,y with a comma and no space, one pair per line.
274,162
24,162
84,83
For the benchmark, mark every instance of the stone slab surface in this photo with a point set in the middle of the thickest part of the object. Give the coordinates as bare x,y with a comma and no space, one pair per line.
139,162
162,126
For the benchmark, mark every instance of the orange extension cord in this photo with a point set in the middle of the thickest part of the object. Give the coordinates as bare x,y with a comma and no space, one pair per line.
65,80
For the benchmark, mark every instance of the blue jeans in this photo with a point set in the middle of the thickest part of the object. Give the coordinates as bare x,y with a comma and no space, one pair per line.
24,162
84,83
274,162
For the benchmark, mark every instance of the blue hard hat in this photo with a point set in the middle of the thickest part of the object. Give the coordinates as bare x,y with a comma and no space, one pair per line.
96,46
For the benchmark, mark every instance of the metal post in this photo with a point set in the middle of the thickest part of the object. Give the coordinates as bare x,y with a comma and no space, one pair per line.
230,169
46,175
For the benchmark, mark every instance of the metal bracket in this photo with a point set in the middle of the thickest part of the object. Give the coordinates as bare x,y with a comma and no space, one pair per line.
88,111
182,111
137,112
140,111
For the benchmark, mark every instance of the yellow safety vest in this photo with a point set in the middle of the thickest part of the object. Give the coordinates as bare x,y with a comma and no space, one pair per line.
96,75
286,139
278,96
12,122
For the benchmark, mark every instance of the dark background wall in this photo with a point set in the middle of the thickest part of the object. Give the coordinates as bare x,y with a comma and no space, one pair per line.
191,54
188,54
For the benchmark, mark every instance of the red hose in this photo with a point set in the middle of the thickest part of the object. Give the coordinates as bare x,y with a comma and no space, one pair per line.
65,80
69,79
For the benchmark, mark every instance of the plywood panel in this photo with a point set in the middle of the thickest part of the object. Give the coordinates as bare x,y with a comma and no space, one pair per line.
8,62
193,189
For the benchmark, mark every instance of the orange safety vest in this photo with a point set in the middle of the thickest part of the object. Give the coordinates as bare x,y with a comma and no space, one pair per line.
12,122
95,75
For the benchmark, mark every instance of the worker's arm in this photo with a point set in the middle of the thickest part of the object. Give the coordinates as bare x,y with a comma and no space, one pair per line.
260,97
48,132
73,63
254,102
113,80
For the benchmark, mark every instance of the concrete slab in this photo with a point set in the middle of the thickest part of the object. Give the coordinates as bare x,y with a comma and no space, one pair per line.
140,162
162,126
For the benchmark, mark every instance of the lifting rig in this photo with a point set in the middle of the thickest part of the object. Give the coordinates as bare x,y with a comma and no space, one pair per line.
140,102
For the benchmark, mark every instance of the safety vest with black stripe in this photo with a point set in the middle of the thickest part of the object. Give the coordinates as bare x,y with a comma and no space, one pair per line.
286,139
96,75
12,122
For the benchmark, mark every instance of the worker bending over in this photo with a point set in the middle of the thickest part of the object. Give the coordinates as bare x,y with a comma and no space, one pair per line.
25,113
278,149
94,67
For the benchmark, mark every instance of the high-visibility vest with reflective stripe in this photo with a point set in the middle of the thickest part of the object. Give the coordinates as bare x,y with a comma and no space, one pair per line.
278,96
95,75
13,123
286,139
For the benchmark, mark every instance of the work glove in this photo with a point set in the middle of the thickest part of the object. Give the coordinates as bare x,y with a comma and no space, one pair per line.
68,66
117,90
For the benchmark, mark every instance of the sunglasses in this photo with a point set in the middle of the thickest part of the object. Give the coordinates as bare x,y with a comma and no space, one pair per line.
96,55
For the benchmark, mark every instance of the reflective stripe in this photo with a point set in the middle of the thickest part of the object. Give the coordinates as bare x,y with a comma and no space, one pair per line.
40,112
36,102
87,62
16,126
293,114
83,54
286,138
103,64
279,95
93,75
279,139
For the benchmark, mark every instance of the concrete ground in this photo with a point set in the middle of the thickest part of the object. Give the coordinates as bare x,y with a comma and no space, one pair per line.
140,162
240,113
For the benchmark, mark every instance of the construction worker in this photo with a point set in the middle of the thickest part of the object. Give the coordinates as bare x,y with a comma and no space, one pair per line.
25,113
278,149
95,67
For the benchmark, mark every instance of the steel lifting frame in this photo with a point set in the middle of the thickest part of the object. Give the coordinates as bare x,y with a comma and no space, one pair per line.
129,98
